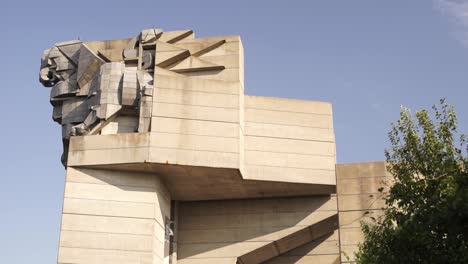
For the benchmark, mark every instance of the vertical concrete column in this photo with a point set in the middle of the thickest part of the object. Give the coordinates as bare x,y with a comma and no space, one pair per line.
162,216
113,217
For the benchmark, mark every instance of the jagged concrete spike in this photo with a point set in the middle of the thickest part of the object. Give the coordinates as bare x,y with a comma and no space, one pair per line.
174,36
166,58
198,47
192,64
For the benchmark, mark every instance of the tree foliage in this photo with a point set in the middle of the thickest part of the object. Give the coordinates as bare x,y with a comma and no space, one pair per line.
426,214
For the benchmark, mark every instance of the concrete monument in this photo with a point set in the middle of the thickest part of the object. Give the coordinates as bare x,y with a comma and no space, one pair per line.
169,162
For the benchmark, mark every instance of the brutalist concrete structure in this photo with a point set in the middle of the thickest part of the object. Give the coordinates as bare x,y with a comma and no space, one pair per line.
168,161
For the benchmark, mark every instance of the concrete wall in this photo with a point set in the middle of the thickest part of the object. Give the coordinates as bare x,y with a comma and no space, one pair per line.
324,251
220,231
206,141
197,116
289,140
109,149
358,200
113,217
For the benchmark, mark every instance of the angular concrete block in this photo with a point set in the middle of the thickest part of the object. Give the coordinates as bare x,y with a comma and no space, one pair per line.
175,36
198,47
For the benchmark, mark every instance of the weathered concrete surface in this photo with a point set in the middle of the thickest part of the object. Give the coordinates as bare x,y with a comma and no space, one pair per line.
168,161
185,98
113,217
358,200
245,230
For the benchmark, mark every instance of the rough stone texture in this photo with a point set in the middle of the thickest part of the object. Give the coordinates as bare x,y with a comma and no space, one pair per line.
169,162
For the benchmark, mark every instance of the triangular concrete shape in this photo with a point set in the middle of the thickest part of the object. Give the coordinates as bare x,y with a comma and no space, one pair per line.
167,58
71,51
163,46
291,241
174,36
198,47
192,64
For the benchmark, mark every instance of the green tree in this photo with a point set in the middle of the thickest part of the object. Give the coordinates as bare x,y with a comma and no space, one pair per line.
426,214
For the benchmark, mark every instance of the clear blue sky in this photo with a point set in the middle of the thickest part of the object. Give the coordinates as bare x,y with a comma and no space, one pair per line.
367,57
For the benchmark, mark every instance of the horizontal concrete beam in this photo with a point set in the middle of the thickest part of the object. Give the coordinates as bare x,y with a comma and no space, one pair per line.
290,242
